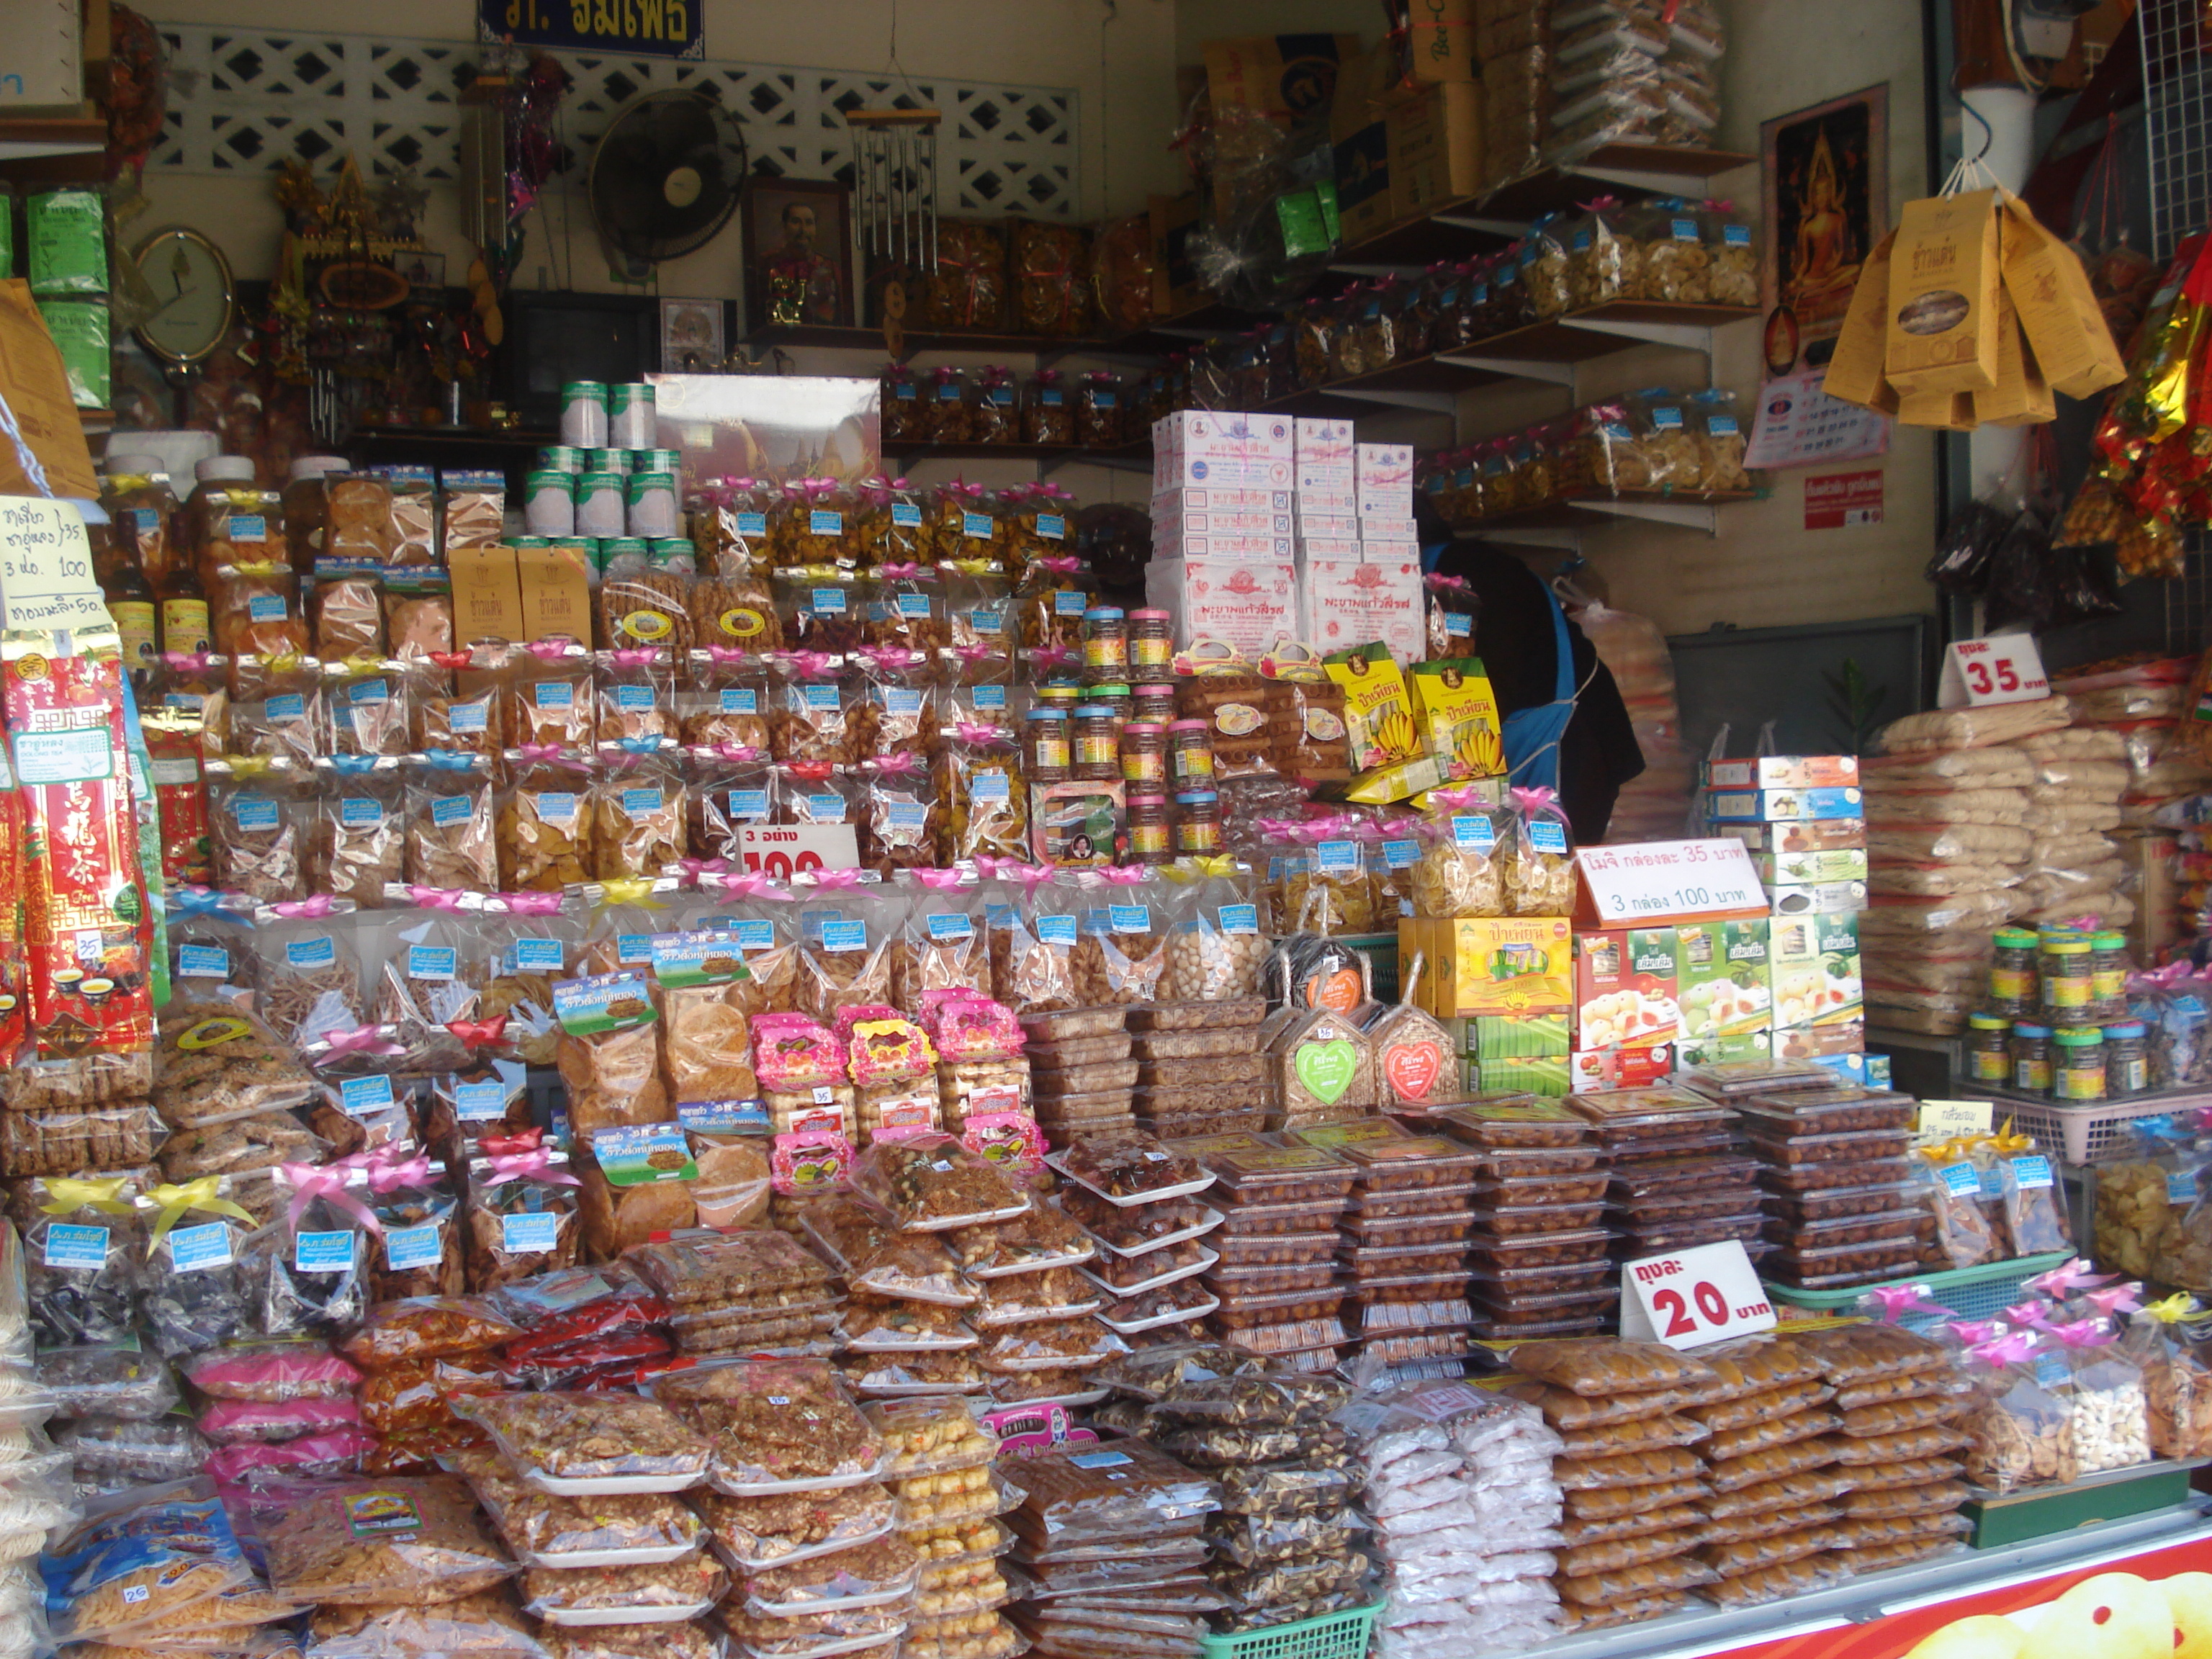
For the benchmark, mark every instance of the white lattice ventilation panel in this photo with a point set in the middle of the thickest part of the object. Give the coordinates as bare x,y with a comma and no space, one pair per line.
250,98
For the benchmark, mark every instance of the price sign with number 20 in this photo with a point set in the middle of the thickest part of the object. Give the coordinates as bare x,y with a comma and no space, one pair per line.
1691,1297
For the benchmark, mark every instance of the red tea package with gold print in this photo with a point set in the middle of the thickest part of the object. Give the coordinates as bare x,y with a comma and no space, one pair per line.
82,895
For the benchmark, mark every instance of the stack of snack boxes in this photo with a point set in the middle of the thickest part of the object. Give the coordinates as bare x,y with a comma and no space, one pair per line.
1267,528
1803,821
1504,988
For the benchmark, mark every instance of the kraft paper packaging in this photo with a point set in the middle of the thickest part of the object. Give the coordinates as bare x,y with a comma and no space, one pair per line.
2059,310
1855,370
1944,274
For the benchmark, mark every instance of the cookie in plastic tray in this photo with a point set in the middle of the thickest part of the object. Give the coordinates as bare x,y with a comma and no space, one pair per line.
1434,1313
1241,1309
1238,1072
1838,1230
1157,1308
1020,1299
1698,1140
1493,1249
1667,1177
1519,1191
1058,1345
1262,1220
1728,1079
1493,1283
881,1572
1827,1111
1230,1040
1672,1208
1645,1238
1541,1160
1134,1238
774,1425
930,1182
1046,1055
1892,1256
929,1437
1276,1249
1229,1013
1105,1494
1279,1174
1827,1204
1133,1169
1262,1281
1538,1306
1106,1076
1067,1025
1511,1223
752,1533
1490,1329
1417,1163
1856,1146
1391,1260
1289,1336
1814,1177
1177,1125
1637,1114
1509,1119
1118,1277
1363,1232
1040,1239
1413,1200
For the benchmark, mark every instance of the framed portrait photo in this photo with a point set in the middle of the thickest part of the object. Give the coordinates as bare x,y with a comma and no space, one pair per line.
797,252
1823,178
691,336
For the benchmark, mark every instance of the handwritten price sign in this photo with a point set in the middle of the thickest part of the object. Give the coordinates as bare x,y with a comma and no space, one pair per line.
1691,1297
45,567
1661,881
2004,668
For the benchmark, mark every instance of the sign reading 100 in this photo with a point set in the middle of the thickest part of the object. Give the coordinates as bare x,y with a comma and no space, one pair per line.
656,28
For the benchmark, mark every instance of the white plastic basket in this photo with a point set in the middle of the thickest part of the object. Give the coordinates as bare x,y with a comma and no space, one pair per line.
2084,1133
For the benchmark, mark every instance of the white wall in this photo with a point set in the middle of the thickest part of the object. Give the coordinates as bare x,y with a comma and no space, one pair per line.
1764,570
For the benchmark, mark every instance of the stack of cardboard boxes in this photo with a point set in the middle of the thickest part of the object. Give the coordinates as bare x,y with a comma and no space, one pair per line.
1265,528
1408,127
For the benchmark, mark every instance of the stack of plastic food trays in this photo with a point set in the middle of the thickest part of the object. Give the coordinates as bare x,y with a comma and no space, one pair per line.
1199,1071
1836,1170
1675,1181
1531,1272
1082,1080
931,1444
1409,1300
1277,1278
1139,1198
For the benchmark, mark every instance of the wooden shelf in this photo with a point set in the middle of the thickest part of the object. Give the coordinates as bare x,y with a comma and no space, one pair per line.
919,340
453,437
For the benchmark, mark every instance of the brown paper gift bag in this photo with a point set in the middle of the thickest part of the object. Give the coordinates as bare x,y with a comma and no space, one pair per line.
2059,310
2020,397
1942,411
1944,274
38,394
1855,374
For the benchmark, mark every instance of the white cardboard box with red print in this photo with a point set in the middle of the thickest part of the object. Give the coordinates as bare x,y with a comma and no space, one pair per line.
1350,602
1250,604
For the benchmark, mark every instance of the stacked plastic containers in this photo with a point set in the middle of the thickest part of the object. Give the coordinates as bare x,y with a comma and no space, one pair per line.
1276,1281
1081,1076
1409,1301
1676,1180
1199,1070
1536,1204
1107,1535
1834,1169
1134,1188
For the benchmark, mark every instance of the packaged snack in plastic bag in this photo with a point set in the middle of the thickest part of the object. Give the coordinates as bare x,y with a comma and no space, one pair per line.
144,1555
320,1549
638,812
546,696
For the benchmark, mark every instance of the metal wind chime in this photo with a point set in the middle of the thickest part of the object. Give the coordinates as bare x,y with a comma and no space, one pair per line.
895,191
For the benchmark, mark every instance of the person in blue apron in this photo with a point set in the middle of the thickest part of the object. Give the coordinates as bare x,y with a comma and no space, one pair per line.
1566,726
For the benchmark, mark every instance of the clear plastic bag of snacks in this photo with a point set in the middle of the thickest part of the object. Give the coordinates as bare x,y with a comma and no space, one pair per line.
1540,880
546,696
258,825
369,712
311,978
1214,948
986,804
357,847
636,695
1465,851
1032,953
278,708
845,956
544,823
1718,429
452,840
727,701
1604,262
639,808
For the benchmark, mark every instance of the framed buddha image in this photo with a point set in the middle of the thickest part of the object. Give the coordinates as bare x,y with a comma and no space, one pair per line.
1824,181
797,252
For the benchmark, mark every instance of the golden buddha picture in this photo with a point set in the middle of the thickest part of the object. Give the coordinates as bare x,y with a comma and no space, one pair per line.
1825,179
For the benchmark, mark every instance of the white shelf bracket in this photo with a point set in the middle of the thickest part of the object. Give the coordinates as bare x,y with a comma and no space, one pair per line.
1519,369
1690,187
1564,541
1428,402
1509,228
1688,336
1688,515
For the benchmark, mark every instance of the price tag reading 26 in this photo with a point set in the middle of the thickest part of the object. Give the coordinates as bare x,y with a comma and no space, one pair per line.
1693,1297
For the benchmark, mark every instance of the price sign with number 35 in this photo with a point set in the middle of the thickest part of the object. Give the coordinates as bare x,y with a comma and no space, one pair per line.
2003,668
1689,1298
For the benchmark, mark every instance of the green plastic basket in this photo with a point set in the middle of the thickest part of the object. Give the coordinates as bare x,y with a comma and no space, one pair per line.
1332,1636
1968,1292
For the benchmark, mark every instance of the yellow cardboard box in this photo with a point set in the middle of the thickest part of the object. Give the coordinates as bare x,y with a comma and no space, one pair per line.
1855,368
1434,143
487,595
2059,310
557,593
1440,39
1493,965
1944,274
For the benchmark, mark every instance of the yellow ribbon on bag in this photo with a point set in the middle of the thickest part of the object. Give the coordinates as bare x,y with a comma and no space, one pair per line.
2178,1309
247,766
73,1193
177,1201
